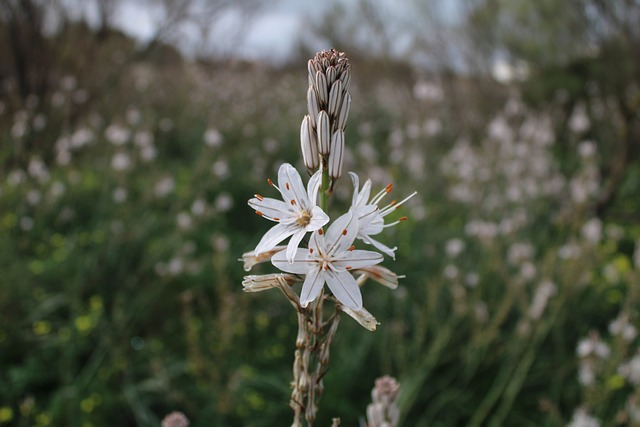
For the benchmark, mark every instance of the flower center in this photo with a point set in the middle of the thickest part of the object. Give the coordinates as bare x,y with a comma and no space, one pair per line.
304,218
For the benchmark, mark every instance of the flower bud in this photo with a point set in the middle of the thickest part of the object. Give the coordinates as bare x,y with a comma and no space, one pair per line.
312,105
344,112
336,154
309,144
335,98
324,133
321,87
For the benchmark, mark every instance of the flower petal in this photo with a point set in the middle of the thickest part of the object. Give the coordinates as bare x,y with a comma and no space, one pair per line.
275,235
363,317
356,188
380,246
291,187
358,259
344,288
318,219
312,285
293,243
301,263
341,233
272,208
313,185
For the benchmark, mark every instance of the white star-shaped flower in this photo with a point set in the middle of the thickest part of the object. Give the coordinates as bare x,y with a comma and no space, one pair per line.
370,215
296,215
329,259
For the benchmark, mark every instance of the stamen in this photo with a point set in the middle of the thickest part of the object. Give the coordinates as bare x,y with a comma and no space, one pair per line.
393,202
259,197
404,218
293,202
348,267
259,213
270,182
389,188
286,184
344,232
276,219
320,232
351,247
310,250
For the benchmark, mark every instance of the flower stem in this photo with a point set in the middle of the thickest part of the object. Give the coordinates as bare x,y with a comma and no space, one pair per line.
324,189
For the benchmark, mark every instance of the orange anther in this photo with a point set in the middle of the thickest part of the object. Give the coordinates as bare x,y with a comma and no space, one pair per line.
286,185
404,218
259,197
259,213
293,202
389,188
320,232
351,247
344,232
270,182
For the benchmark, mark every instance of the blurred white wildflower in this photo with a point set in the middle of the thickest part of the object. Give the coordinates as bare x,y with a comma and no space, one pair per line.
579,121
39,121
164,186
117,134
592,230
223,203
120,161
119,195
454,247
451,272
581,418
569,251
26,223
621,326
175,419
33,197
519,252
184,220
212,137
68,83
143,138
81,137
56,190
631,370
587,149
427,91
220,242
198,207
133,116
57,99
16,177
472,279
541,298
38,170
220,168
383,411
592,346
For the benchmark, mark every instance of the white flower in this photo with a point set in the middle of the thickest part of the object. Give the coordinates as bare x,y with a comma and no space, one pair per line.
329,260
296,215
370,216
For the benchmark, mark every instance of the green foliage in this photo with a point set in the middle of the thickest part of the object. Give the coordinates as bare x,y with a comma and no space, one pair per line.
122,216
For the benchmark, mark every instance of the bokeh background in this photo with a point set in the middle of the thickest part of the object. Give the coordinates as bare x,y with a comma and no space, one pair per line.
132,134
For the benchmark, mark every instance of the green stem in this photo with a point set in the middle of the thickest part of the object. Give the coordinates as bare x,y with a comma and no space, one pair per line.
324,189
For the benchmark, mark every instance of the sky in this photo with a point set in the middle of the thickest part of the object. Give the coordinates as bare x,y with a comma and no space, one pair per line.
269,34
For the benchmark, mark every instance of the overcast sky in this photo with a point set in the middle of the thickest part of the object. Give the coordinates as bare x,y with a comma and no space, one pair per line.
270,34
